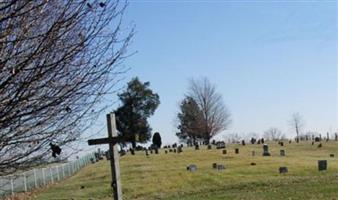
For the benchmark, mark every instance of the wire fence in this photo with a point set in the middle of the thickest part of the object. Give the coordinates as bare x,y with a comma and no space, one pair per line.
39,177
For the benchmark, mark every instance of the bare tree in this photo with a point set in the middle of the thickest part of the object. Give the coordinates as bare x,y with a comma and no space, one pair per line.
216,116
273,134
58,59
297,123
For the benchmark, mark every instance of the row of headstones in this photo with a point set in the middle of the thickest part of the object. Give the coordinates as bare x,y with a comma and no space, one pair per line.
322,166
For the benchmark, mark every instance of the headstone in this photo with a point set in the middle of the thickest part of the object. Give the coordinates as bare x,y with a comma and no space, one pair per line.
220,167
174,150
236,151
147,153
192,168
290,141
224,151
179,149
313,143
332,155
243,142
132,151
259,142
262,140
92,160
322,165
107,154
317,139
282,152
151,151
197,147
214,165
253,140
320,145
156,150
266,150
253,153
283,170
281,144
170,150
165,151
209,146
220,145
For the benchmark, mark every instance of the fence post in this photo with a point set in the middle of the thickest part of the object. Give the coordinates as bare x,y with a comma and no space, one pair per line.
63,170
25,181
35,180
43,176
51,174
57,168
12,185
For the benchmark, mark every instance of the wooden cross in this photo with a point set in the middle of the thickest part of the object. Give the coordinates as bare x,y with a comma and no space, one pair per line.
112,140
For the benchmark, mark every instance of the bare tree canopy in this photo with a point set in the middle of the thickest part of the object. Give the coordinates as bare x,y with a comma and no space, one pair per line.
57,60
216,116
273,134
297,123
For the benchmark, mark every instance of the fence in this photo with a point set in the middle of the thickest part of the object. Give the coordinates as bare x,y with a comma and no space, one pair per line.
39,177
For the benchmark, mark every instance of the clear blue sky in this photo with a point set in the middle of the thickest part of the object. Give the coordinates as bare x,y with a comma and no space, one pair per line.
268,60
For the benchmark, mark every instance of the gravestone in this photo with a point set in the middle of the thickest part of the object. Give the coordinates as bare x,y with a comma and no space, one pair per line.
317,139
322,165
253,140
170,150
209,147
266,150
156,150
192,168
332,155
107,154
132,151
259,142
220,145
236,151
253,153
283,170
92,160
320,145
179,149
165,151
282,152
174,150
197,147
214,165
147,153
313,143
243,142
224,151
151,151
220,167
290,141
281,144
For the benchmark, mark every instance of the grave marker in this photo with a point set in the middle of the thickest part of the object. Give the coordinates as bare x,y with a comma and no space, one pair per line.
266,150
112,140
282,152
322,165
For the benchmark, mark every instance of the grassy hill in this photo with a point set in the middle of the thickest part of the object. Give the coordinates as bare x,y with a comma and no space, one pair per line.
164,176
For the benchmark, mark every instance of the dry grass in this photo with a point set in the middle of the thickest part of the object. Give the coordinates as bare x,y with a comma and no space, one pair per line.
164,176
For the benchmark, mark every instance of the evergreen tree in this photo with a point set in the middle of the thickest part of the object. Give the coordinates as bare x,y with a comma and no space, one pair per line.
139,102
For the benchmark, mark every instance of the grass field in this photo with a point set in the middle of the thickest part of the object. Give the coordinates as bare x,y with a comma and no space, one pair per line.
164,176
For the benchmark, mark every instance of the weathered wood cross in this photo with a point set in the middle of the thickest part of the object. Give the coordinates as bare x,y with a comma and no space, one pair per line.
112,140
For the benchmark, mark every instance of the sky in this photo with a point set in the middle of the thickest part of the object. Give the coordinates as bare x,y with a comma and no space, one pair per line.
268,60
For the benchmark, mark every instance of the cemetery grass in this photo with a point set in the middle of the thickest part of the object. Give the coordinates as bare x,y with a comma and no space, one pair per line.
164,176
